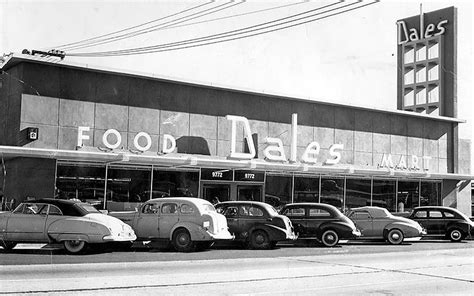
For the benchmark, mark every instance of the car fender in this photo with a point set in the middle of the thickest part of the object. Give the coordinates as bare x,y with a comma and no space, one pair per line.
275,233
463,226
76,228
337,226
197,232
407,229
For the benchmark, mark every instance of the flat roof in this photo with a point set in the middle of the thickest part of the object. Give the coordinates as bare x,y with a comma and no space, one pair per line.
16,58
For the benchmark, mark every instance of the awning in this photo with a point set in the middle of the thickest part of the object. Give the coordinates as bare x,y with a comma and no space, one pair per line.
91,154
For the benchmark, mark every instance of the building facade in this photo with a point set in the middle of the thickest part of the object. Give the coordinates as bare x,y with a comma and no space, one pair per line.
117,139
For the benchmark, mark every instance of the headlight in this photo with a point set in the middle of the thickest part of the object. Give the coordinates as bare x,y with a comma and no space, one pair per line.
206,224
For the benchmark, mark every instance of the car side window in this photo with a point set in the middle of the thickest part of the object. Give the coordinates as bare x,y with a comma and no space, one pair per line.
186,209
33,209
54,210
436,214
169,208
421,214
448,215
230,212
150,208
361,216
319,213
255,211
294,212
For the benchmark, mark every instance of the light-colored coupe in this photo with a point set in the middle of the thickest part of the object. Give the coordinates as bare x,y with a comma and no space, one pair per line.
73,223
188,223
379,223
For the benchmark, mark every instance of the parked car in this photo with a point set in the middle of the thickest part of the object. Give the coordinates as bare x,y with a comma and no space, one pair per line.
443,221
256,224
73,223
319,221
379,223
188,223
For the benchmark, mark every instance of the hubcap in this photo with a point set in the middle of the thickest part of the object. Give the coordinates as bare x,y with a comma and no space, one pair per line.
395,236
259,239
455,234
183,239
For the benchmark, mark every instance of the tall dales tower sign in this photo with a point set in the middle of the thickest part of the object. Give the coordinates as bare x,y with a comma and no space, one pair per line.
427,54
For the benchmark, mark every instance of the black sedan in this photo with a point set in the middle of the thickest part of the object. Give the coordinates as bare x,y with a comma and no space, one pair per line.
322,222
443,221
256,224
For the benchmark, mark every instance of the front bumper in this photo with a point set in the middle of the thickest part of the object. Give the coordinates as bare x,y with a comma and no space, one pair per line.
356,233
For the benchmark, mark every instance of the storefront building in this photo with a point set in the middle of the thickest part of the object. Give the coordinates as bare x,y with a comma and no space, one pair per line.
116,139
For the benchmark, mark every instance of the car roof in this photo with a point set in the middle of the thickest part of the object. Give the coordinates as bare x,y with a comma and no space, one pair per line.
374,211
194,200
66,205
311,204
244,202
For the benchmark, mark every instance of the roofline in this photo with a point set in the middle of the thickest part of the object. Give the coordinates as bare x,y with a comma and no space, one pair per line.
16,58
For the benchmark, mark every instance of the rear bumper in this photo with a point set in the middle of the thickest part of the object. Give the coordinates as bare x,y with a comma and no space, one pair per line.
222,235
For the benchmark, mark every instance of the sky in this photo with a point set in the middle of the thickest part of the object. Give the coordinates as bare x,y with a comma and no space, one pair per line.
348,58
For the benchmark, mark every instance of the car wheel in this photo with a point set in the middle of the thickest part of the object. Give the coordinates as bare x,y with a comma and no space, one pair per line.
182,241
7,246
455,235
259,240
74,246
395,237
330,238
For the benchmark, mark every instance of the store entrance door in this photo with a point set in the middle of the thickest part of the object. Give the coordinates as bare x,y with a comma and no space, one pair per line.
219,191
249,192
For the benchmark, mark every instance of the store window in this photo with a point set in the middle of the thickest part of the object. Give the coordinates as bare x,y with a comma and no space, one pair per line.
332,191
384,195
278,190
430,193
175,183
85,182
306,189
128,187
407,195
357,193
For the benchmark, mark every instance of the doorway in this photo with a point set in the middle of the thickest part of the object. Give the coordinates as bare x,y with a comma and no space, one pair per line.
249,192
213,191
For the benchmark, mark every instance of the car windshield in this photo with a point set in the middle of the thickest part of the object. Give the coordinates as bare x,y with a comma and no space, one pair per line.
87,208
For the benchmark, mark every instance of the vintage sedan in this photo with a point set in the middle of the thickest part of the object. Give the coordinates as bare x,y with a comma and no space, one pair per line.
256,224
322,222
188,223
443,221
73,223
379,223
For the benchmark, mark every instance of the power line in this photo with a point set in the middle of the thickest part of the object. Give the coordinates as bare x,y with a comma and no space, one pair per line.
134,27
224,34
176,24
207,39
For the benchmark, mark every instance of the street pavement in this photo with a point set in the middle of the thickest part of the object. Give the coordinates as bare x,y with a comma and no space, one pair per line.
423,268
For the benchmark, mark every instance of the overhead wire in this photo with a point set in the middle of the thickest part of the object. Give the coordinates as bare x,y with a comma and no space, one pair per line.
134,27
232,32
207,40
157,26
177,24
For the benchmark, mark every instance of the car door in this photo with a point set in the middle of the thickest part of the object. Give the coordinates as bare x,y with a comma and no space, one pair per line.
168,218
249,216
363,221
297,215
28,225
231,213
146,224
436,222
53,214
316,217
421,216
